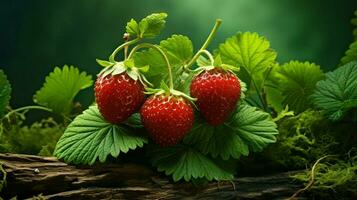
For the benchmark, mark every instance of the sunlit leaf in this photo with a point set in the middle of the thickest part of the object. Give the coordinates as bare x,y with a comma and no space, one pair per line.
149,26
60,88
249,51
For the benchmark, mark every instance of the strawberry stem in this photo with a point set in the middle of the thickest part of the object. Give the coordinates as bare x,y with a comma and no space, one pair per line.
126,39
208,54
126,44
157,48
207,42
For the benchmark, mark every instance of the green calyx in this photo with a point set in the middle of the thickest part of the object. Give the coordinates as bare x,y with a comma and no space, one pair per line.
128,66
167,91
213,63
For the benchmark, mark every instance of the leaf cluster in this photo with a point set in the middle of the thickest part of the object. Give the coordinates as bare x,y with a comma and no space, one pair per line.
206,150
208,153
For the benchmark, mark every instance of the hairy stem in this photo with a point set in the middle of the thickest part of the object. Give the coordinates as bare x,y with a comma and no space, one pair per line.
126,39
157,48
26,108
207,42
126,44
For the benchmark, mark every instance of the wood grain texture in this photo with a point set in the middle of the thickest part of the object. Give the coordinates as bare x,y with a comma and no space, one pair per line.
28,176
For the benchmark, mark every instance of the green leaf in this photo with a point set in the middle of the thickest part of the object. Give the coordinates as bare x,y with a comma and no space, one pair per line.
132,27
296,82
148,27
89,137
60,88
248,127
218,60
5,92
249,51
254,126
152,25
179,50
337,94
183,162
351,54
153,59
220,141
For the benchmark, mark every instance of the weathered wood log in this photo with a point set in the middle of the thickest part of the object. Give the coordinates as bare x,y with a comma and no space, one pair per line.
28,176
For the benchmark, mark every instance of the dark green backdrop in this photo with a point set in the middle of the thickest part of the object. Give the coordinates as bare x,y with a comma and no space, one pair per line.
37,35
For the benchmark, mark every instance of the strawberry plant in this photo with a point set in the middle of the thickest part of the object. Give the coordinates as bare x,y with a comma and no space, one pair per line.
195,113
192,122
202,111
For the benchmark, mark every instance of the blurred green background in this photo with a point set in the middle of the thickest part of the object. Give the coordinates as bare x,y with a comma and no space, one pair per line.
37,35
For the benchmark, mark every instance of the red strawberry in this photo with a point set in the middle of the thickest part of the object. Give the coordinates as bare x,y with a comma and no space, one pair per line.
167,118
217,92
118,96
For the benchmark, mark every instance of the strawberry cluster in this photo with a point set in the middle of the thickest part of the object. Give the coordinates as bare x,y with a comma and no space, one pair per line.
167,114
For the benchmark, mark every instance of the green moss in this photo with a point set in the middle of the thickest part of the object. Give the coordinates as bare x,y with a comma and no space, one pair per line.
301,140
39,138
337,174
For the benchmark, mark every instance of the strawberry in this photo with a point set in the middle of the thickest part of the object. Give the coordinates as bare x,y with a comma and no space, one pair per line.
167,118
217,92
118,96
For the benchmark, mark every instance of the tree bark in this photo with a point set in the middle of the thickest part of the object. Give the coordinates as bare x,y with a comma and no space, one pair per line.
29,176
